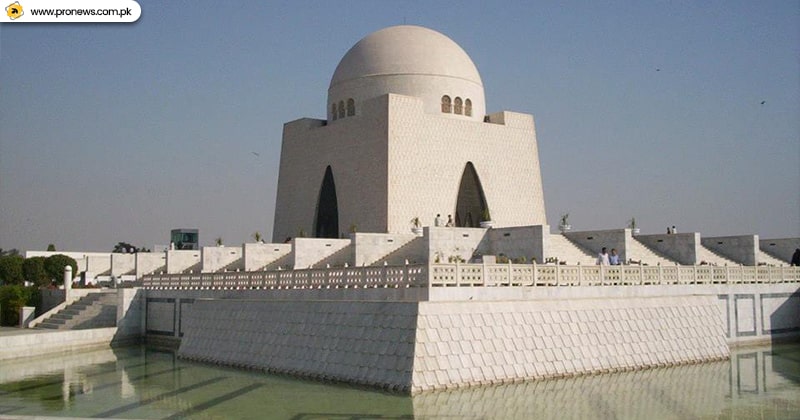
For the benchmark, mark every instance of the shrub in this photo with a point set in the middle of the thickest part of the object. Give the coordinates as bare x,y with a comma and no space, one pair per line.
12,298
54,265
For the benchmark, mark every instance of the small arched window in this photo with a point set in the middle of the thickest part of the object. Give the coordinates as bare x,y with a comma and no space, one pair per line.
457,106
351,107
446,108
341,109
468,108
333,112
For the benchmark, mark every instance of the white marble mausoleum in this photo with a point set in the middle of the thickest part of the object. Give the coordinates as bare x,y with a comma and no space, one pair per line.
406,136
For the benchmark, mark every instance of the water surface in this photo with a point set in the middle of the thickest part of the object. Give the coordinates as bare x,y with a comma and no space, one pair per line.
147,383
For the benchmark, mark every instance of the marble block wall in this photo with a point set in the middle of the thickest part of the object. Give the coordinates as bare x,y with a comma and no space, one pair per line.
473,343
366,343
413,347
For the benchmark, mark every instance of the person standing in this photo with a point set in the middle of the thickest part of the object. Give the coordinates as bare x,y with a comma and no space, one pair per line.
602,258
796,257
438,220
449,221
613,259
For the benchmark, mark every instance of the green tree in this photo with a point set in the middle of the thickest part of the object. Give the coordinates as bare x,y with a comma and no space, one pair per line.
34,272
54,266
51,248
11,269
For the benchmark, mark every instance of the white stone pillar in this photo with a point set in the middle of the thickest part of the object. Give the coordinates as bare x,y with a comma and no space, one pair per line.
67,282
26,315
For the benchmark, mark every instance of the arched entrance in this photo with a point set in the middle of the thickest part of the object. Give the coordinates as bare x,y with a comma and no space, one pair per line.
326,221
471,201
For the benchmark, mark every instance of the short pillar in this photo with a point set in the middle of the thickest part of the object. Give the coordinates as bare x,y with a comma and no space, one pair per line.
67,282
26,315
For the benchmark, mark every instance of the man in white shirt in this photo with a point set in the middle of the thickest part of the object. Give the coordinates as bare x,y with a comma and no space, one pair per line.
602,258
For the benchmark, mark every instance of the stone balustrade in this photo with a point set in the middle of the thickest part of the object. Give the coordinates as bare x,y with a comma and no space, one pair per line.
621,275
347,277
476,275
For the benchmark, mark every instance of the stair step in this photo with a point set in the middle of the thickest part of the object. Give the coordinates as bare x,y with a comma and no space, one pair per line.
567,251
641,252
706,255
765,258
96,310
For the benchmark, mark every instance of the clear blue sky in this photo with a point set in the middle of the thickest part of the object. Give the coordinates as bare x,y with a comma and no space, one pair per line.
120,132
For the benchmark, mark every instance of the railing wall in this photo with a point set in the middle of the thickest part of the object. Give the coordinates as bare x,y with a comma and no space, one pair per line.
476,275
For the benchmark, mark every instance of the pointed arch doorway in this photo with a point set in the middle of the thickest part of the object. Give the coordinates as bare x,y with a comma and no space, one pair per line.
471,202
326,220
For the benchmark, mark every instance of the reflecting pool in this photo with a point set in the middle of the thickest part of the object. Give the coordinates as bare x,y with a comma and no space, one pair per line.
147,383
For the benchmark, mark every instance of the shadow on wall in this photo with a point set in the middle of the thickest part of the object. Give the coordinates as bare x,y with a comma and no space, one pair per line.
784,321
129,317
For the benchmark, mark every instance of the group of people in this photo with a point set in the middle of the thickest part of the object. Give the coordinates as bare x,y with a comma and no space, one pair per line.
671,230
604,258
438,221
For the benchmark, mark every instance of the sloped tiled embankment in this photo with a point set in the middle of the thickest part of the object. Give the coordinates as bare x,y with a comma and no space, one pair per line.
473,343
367,343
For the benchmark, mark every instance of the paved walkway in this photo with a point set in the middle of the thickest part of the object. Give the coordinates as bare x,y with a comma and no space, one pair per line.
8,331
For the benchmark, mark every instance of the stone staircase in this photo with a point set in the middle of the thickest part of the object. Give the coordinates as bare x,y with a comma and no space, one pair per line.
401,254
233,266
284,262
767,259
638,251
567,251
710,257
95,310
337,259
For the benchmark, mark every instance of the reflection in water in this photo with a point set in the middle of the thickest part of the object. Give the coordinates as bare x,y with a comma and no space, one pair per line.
754,382
137,382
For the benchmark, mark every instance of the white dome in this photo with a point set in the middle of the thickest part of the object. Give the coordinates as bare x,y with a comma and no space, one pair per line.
408,60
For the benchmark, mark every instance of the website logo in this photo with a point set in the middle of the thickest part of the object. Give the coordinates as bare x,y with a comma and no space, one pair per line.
72,11
14,10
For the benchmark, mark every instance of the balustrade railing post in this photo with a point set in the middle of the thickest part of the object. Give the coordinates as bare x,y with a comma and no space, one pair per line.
483,273
558,274
510,275
535,274
458,273
580,275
